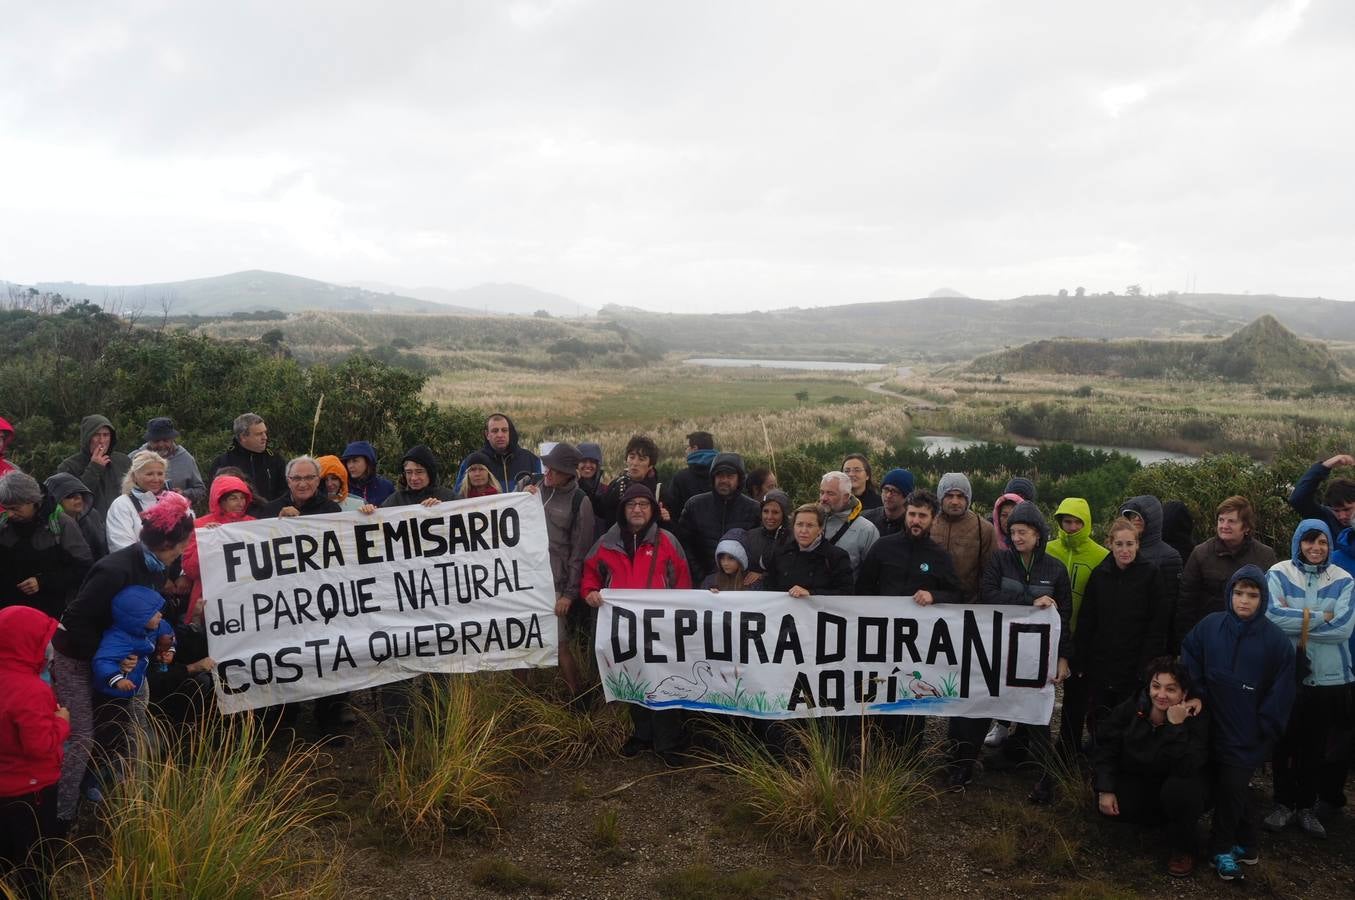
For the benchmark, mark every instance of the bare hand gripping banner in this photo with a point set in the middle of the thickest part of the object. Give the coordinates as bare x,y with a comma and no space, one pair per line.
302,607
771,656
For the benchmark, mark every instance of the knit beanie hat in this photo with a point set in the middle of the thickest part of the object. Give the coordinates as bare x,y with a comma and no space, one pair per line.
899,479
1022,486
955,481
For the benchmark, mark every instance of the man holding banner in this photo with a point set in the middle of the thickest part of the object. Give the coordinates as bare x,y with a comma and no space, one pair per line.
637,553
910,564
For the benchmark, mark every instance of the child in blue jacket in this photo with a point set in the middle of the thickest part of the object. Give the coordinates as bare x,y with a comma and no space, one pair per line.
1242,665
139,632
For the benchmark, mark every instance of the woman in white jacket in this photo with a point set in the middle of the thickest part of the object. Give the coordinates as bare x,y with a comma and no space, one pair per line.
141,490
1310,600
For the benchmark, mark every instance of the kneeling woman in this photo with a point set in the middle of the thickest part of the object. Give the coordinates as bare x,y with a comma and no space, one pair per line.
1150,758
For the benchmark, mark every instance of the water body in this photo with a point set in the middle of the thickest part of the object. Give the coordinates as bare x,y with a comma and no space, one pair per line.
806,365
940,443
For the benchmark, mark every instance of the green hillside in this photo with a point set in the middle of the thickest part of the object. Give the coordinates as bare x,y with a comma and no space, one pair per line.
1264,352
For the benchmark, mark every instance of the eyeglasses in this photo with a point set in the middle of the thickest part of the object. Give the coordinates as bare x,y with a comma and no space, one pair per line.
303,477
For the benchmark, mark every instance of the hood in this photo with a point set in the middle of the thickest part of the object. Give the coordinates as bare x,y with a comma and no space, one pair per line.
332,465
133,607
7,431
91,424
363,449
1178,527
63,484
781,499
729,459
512,437
1004,500
1150,508
1027,513
420,454
1252,573
1078,508
1306,526
701,459
1022,487
223,485
25,633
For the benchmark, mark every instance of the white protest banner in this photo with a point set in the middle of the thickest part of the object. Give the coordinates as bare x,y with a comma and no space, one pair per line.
772,656
302,607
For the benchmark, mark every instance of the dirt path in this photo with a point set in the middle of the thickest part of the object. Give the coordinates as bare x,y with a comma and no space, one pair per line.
878,387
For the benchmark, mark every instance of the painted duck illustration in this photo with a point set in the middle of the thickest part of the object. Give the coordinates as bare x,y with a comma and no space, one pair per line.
675,687
921,688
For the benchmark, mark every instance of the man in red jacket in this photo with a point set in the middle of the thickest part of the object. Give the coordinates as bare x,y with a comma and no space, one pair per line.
32,730
636,554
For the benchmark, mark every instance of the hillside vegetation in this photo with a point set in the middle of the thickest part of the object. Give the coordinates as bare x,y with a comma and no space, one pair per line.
1264,352
448,343
949,329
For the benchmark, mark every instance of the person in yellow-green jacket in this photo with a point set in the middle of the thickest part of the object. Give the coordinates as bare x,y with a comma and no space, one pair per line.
1075,548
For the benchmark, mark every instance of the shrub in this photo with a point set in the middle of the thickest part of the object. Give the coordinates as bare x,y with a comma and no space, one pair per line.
846,814
506,877
704,882
214,817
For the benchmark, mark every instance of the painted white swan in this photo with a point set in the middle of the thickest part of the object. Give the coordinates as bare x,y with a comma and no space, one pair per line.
675,687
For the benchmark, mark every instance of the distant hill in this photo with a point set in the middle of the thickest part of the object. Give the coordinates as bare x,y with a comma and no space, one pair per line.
958,328
495,299
1263,352
245,292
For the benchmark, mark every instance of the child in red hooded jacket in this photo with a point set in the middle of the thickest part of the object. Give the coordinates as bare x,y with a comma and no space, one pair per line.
32,730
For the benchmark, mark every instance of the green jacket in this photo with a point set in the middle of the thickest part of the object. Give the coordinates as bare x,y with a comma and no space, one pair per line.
1077,551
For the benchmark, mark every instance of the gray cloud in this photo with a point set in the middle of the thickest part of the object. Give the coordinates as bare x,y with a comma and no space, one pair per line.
685,156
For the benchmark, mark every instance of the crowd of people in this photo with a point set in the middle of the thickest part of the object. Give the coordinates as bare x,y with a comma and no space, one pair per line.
1183,668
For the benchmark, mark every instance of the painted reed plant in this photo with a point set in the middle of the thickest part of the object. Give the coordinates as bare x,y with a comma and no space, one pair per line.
212,815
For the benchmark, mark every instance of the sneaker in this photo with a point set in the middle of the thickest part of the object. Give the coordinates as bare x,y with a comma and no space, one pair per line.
1043,792
1280,818
997,734
1227,867
959,779
1246,856
1310,823
1324,810
94,795
1180,865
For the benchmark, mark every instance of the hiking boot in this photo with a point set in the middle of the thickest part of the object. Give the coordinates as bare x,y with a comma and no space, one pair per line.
633,747
1310,823
1180,865
1280,818
1227,867
1043,792
1246,856
997,734
960,777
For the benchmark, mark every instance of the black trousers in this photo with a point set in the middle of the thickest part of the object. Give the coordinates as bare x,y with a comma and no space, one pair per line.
27,824
1302,771
1234,812
661,728
966,736
1176,802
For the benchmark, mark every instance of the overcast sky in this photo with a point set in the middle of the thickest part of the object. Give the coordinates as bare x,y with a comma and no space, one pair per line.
685,156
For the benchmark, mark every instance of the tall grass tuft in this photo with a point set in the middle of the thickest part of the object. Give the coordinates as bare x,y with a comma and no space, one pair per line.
211,815
847,813
454,769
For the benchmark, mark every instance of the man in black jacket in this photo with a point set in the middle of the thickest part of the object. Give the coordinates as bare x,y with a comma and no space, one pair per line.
707,517
306,497
910,564
250,454
695,479
509,460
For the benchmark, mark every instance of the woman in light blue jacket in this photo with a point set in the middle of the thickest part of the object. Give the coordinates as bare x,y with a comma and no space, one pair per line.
1310,600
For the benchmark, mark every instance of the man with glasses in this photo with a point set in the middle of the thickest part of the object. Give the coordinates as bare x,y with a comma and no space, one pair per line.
304,496
894,491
